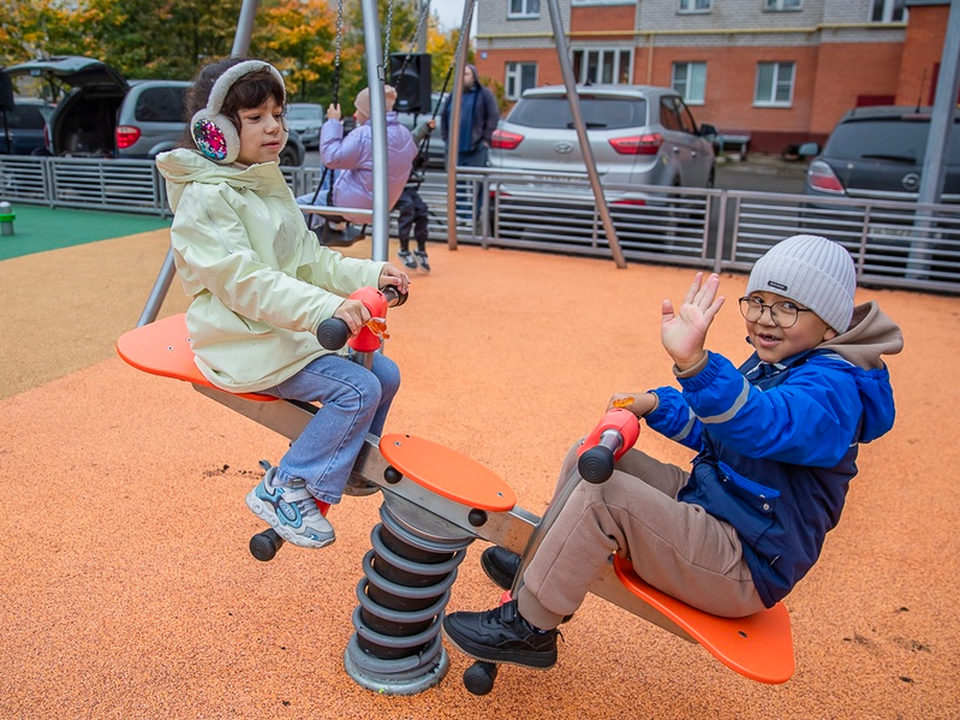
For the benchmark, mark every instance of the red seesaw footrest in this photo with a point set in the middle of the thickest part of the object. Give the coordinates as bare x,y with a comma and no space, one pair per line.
759,646
163,348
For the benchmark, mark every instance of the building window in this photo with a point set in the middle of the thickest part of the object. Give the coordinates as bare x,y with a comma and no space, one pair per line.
693,6
774,84
690,80
602,65
520,76
783,4
523,8
888,11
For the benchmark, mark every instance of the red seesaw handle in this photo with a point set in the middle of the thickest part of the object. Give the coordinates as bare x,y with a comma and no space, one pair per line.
617,432
333,332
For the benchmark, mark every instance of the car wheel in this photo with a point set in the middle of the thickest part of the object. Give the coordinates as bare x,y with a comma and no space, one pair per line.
290,157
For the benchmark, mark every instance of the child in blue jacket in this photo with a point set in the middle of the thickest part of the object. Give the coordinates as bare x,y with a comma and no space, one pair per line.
777,442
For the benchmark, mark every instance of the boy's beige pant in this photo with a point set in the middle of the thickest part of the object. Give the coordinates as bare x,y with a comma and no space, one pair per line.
677,547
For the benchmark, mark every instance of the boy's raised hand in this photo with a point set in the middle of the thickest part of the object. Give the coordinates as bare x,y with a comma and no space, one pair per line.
684,332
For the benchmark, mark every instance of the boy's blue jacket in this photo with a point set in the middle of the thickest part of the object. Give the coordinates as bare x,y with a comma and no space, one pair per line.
778,443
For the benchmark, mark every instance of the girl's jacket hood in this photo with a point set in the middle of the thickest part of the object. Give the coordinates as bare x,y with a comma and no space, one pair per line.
180,167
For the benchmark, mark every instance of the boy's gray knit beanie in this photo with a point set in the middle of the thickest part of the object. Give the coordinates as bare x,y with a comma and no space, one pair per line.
816,272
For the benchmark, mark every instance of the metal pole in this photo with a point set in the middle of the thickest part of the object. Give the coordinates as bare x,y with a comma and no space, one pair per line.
241,41
453,131
378,121
241,46
424,6
944,108
563,54
941,127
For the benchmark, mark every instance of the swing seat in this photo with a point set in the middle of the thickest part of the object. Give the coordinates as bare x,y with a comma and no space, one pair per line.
163,348
331,237
759,646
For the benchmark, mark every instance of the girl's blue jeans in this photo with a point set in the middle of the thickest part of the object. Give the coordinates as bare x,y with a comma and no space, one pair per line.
354,402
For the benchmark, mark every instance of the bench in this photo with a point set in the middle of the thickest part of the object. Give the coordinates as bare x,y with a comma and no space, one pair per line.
739,142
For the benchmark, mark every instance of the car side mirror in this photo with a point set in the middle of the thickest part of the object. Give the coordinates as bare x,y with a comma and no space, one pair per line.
709,132
809,150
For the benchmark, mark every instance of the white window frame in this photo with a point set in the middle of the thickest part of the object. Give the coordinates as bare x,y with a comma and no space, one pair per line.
687,87
782,5
525,13
513,79
886,12
770,99
617,53
691,6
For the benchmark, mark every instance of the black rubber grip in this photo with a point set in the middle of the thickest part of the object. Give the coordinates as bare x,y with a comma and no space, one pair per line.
596,464
333,333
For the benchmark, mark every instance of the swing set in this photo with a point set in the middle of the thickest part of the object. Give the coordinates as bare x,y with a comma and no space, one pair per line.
335,230
436,501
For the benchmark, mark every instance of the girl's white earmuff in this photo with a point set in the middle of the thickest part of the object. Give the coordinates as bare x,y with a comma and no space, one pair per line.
214,134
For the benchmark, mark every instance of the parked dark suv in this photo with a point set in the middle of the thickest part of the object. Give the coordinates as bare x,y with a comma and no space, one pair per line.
102,114
877,153
21,129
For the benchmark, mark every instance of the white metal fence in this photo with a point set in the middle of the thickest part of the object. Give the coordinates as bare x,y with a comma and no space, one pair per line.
894,244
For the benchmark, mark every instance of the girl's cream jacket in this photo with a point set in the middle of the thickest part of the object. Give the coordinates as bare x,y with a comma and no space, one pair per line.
260,281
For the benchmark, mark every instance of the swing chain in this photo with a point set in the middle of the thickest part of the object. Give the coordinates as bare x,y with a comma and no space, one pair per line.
336,55
387,31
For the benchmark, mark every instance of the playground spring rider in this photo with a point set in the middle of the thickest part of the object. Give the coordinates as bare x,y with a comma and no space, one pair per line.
435,502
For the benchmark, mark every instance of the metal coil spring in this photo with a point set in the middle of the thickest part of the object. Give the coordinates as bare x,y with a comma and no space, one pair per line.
397,647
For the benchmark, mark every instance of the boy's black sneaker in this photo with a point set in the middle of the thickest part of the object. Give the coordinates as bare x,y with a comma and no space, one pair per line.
501,635
500,565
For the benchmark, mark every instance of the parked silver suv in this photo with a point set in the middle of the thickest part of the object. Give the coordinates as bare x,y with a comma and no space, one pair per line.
150,119
639,135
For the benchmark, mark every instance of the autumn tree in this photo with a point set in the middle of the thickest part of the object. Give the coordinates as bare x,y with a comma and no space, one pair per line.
168,39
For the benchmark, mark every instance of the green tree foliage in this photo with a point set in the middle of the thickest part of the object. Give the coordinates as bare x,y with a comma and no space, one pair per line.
165,39
168,39
298,37
42,27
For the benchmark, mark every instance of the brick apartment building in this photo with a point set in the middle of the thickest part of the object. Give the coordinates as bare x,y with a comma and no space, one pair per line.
780,71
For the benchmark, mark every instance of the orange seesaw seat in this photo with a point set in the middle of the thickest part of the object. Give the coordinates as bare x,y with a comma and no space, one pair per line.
759,646
448,473
163,348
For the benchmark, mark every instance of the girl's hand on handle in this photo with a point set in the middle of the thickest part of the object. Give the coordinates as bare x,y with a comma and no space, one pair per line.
354,313
333,111
392,275
684,331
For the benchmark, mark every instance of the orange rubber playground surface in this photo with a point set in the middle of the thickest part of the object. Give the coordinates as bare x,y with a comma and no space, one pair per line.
127,590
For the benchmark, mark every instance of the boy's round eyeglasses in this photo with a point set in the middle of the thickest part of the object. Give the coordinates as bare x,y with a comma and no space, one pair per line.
783,313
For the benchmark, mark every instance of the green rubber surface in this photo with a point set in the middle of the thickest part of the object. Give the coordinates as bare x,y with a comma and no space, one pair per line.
38,229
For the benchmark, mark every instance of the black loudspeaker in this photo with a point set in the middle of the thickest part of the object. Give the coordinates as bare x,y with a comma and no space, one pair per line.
6,92
410,75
